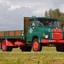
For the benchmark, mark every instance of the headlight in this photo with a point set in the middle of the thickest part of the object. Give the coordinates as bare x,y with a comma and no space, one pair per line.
46,36
22,34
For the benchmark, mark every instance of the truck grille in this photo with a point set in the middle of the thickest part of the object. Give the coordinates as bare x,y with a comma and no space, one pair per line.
57,33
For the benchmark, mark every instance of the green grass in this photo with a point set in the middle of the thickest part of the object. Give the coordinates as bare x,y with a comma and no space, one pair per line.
48,55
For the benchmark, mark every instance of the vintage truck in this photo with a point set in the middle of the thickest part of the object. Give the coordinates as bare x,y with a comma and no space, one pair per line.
37,32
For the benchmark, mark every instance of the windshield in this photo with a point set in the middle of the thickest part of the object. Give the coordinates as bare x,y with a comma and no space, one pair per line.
47,23
50,23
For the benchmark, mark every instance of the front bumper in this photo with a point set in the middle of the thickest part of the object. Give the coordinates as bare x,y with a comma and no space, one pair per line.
51,41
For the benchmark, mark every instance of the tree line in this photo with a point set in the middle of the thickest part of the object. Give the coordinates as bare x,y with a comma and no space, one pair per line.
56,14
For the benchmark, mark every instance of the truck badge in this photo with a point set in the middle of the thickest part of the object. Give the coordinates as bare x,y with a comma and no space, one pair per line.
30,30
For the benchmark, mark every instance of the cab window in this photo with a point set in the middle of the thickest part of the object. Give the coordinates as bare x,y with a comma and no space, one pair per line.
32,24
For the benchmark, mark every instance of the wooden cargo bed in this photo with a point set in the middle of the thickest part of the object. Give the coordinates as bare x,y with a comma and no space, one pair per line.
11,34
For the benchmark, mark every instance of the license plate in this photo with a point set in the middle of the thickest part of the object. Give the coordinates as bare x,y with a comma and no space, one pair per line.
51,40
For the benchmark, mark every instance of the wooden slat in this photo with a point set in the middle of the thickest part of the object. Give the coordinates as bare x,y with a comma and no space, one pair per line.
11,33
1,33
6,33
18,33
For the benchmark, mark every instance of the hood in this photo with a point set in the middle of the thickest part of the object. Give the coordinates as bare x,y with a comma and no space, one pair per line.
48,31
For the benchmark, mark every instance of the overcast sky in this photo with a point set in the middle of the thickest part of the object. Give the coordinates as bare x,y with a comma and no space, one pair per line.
13,11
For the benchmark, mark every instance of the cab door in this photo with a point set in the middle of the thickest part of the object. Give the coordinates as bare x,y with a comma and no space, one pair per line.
30,30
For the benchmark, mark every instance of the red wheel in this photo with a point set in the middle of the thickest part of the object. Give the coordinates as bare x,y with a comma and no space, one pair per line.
35,45
3,46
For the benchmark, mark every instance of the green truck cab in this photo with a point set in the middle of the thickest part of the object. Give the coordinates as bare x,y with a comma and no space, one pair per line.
41,28
37,31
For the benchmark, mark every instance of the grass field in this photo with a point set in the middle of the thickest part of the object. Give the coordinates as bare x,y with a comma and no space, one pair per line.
48,55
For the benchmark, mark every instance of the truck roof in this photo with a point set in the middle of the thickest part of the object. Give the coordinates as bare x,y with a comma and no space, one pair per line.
43,18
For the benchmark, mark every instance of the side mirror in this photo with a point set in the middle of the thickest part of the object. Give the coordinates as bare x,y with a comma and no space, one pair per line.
33,25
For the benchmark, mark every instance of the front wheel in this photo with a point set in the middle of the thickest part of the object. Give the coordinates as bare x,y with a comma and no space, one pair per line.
36,45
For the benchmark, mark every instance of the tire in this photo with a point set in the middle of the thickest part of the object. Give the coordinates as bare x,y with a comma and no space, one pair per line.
36,45
4,47
25,48
0,45
60,47
9,48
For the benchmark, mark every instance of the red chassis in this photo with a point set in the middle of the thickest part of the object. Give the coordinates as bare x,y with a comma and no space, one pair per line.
17,42
51,41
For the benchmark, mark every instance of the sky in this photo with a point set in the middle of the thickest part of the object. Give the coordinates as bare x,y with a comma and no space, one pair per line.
12,12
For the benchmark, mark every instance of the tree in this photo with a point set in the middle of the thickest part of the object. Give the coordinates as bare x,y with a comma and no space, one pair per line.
55,14
46,14
51,13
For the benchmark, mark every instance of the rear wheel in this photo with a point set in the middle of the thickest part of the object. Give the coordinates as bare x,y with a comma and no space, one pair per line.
26,48
8,48
4,47
60,47
36,45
